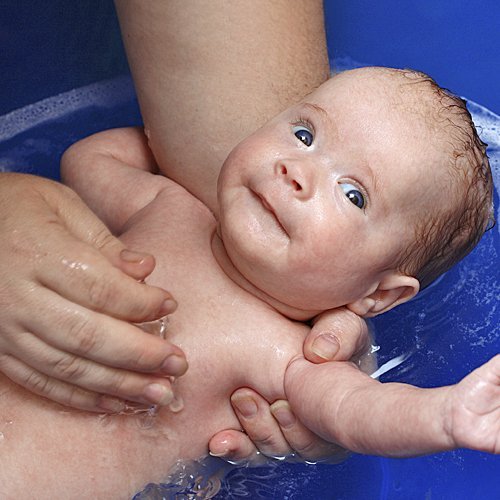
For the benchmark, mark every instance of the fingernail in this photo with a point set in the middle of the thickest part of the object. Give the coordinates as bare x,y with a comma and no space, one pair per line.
282,413
132,257
111,404
168,307
326,346
158,394
174,365
223,446
218,454
246,406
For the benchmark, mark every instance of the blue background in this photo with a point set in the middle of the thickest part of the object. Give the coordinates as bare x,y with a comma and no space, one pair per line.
50,47
457,42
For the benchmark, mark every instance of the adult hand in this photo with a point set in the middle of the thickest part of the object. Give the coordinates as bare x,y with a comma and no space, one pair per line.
68,290
270,431
273,430
473,409
337,335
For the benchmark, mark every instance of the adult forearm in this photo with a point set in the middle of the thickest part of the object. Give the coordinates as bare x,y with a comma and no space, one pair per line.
209,73
395,420
366,416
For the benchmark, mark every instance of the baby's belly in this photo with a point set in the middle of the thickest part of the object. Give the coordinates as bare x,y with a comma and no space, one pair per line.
96,456
115,456
231,338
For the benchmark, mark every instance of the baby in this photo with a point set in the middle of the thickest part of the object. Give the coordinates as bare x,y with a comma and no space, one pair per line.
366,191
352,200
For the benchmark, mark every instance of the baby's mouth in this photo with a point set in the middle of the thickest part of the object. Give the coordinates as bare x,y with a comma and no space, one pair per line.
266,204
270,209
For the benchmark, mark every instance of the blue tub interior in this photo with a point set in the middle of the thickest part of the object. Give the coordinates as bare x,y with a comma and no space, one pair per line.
64,76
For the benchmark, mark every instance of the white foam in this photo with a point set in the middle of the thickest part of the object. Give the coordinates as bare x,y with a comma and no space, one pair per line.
106,94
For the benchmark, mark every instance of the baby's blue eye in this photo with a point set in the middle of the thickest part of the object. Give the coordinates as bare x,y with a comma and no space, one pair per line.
303,134
353,194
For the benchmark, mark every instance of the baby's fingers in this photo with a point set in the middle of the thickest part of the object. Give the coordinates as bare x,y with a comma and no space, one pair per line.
337,335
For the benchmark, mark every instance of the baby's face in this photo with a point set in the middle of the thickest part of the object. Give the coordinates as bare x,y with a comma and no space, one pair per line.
316,205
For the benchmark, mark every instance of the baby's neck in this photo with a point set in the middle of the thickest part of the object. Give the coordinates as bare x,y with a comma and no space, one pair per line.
222,258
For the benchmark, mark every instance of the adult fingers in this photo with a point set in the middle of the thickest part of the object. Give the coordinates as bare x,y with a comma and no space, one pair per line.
304,442
81,260
99,338
56,390
283,437
86,227
235,447
82,275
45,367
255,417
336,335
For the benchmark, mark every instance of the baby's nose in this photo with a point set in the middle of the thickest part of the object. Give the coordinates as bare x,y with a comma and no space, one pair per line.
294,183
298,177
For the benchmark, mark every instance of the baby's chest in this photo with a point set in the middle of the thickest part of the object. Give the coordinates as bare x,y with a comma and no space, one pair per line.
231,338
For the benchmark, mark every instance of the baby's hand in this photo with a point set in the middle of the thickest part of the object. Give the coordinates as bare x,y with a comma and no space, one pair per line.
270,431
68,292
475,409
336,335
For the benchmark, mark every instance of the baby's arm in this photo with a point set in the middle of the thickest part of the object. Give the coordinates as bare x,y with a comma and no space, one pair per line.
344,405
112,172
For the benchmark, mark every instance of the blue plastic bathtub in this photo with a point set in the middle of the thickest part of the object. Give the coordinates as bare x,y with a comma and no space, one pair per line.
64,76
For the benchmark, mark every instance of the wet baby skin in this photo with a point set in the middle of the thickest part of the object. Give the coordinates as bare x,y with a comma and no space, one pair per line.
231,339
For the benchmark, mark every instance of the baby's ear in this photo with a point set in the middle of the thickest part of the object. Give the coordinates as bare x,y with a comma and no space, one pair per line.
394,289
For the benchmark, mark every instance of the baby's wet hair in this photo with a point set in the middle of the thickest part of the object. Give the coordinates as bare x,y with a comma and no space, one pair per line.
444,235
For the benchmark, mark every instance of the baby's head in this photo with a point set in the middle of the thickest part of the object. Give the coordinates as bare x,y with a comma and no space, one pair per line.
447,231
367,190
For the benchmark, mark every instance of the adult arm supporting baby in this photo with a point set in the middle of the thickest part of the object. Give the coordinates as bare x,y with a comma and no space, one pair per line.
350,408
208,74
273,428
